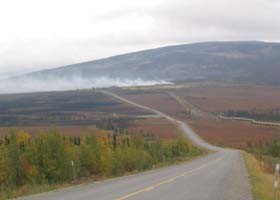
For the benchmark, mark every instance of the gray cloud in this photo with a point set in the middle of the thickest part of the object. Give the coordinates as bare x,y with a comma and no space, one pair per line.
170,22
220,19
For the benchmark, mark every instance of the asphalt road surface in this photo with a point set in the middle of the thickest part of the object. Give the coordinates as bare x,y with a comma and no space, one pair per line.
218,176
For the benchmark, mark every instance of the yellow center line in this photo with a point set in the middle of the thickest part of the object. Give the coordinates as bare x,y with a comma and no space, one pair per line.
152,187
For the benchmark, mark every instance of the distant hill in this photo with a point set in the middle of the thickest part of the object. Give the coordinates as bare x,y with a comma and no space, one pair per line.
257,62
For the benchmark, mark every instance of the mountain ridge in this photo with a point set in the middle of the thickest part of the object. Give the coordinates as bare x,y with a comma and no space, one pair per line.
251,61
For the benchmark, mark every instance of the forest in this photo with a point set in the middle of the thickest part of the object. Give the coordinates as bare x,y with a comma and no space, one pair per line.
257,114
52,158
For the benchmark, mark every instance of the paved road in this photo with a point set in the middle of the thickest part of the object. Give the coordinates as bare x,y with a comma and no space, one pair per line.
253,121
218,176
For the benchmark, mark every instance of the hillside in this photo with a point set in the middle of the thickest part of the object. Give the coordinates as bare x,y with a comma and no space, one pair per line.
256,62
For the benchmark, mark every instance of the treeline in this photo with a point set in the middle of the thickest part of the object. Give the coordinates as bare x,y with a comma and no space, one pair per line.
53,158
119,124
268,153
271,148
257,114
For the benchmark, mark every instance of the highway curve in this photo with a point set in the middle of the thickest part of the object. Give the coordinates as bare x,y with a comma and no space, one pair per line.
218,176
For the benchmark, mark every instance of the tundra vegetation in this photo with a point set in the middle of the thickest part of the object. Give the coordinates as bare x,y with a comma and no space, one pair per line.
51,159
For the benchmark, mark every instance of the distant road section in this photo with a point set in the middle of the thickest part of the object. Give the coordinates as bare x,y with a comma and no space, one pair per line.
219,176
253,121
189,132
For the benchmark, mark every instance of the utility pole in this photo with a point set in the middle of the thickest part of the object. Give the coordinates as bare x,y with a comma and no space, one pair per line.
277,167
74,172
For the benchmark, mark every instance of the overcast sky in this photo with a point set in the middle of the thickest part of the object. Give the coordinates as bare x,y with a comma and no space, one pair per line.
37,34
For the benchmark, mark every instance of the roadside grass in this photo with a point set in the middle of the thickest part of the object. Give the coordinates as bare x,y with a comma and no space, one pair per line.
261,182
